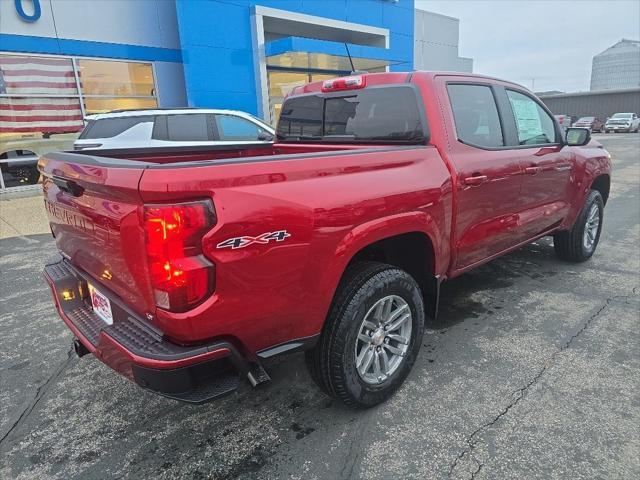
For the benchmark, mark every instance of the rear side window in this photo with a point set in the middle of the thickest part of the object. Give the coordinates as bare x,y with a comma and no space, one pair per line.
476,115
235,128
188,127
384,115
111,127
535,126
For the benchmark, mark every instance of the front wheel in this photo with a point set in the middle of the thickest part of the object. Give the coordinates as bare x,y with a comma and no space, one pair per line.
372,335
580,243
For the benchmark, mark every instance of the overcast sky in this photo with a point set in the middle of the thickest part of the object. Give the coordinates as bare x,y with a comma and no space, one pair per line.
549,40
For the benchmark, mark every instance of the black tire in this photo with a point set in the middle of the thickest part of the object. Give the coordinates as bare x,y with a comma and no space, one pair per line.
331,362
569,245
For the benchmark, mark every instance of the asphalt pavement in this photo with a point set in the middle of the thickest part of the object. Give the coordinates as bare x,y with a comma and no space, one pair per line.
532,371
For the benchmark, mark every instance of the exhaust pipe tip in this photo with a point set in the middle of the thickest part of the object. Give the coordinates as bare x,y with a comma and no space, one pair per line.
79,348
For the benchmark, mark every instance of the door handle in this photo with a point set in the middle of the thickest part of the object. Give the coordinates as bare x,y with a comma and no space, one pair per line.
531,170
476,180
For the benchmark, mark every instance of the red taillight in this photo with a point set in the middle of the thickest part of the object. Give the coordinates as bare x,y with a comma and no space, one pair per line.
180,275
345,83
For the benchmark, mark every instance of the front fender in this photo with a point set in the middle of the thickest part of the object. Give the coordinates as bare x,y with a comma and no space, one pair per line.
592,161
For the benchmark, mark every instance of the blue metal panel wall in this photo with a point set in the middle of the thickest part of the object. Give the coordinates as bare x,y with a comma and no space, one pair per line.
217,50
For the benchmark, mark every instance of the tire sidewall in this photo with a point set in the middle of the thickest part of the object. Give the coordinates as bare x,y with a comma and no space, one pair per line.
593,197
402,285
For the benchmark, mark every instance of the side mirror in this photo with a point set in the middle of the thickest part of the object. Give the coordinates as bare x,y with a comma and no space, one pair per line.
265,137
577,137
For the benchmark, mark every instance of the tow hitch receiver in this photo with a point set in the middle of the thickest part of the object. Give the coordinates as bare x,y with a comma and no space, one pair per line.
79,348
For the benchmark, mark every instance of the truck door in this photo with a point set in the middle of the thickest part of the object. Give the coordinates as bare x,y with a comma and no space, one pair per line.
489,175
546,163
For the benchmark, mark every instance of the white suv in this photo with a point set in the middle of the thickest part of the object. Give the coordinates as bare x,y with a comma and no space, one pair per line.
172,128
622,122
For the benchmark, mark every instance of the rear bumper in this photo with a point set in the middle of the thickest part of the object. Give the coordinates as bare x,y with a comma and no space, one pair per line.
139,351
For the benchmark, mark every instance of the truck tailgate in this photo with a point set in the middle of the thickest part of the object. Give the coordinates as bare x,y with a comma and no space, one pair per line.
94,211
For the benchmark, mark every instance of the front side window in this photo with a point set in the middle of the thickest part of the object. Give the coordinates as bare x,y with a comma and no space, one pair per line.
232,128
476,115
535,126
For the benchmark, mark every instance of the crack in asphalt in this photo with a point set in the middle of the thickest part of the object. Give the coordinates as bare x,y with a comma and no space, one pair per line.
354,452
472,440
40,392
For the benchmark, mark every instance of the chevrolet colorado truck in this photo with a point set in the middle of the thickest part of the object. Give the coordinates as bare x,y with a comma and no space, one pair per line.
184,270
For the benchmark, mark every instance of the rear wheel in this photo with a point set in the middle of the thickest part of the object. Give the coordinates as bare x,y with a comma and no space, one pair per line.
580,243
371,337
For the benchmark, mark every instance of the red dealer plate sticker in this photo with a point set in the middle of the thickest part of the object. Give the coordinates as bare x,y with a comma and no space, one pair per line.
101,305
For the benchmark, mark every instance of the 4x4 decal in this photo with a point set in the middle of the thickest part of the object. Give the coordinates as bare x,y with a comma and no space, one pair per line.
245,241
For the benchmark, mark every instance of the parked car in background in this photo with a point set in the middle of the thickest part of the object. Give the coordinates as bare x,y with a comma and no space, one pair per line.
171,127
622,122
184,275
564,120
592,123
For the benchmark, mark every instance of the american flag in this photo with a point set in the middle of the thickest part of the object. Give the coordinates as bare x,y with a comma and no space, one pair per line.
41,76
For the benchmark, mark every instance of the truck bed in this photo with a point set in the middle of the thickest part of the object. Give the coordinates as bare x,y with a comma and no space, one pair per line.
96,206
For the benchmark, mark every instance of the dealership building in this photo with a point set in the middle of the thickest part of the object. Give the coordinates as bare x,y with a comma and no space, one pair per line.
61,60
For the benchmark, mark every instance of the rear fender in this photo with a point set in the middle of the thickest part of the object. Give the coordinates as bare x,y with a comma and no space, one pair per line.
371,232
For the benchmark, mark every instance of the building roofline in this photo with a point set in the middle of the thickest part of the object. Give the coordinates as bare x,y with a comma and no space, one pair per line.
624,40
438,14
593,92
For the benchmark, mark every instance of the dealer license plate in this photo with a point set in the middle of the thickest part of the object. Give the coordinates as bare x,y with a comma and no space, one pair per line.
101,305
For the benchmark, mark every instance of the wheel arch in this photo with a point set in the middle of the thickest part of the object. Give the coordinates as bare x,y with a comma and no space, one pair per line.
407,241
602,183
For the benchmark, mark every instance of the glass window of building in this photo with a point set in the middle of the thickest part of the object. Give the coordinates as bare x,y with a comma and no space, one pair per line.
39,112
288,70
114,85
44,101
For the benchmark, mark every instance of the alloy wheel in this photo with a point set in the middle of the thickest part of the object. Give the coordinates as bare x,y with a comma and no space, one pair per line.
383,339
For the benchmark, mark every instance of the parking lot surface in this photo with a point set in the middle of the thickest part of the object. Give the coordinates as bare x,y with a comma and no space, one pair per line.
532,371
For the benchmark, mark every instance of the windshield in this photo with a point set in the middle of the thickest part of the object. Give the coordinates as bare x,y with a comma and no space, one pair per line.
374,115
586,119
622,115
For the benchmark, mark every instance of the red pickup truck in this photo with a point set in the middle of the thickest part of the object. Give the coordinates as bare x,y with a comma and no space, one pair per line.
184,270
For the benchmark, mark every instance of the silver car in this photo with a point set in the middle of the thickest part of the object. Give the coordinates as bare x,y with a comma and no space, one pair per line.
171,128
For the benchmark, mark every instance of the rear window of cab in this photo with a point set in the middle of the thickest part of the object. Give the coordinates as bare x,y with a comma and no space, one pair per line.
388,114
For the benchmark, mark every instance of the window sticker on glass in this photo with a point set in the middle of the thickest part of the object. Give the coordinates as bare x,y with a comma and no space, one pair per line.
535,126
527,118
